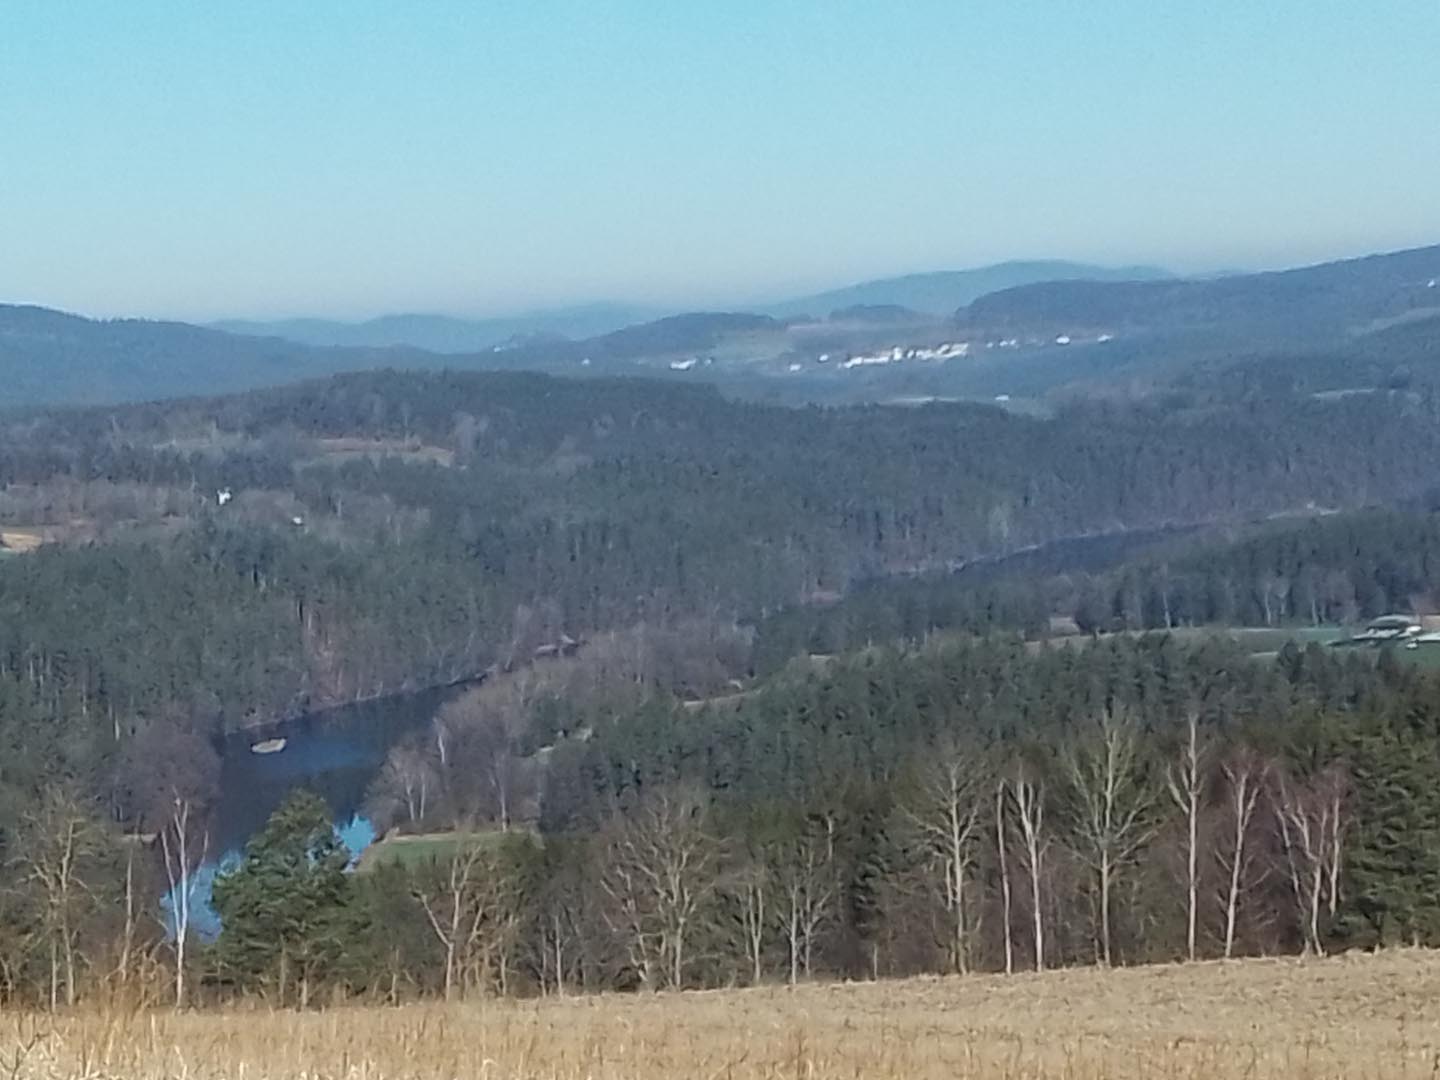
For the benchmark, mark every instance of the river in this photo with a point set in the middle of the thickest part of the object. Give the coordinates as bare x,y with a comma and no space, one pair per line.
335,753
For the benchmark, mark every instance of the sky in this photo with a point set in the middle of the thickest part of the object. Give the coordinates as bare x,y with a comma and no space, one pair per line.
348,159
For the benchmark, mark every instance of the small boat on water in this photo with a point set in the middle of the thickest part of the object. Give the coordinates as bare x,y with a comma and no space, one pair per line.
268,746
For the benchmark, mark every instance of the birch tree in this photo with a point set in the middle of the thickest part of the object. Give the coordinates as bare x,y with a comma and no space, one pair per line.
1113,805
1185,781
1308,817
184,843
805,880
1002,843
1245,777
1027,798
945,813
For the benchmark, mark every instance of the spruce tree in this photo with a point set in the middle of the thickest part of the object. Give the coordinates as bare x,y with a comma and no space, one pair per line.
1392,888
285,912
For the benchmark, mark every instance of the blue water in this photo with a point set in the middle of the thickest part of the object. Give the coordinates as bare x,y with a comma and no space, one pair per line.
335,754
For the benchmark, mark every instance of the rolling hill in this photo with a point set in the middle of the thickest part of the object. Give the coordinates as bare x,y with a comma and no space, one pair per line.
1352,296
941,292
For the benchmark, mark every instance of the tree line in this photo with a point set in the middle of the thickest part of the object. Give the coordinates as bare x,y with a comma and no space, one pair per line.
971,805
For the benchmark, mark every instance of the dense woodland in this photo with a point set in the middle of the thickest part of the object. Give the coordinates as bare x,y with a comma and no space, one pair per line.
722,639
975,804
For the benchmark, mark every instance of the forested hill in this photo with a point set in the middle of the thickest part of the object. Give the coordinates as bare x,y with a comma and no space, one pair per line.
387,530
941,292
1303,305
52,357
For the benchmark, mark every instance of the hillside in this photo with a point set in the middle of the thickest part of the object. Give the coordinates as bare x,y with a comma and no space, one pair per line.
1300,305
50,357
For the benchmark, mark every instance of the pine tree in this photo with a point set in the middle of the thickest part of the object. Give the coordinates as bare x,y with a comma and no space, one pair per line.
1392,891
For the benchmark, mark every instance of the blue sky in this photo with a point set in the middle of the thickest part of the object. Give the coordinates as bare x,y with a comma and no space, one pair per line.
197,160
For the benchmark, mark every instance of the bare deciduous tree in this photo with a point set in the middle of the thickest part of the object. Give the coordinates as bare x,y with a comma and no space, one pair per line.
464,902
1112,813
1308,816
405,786
660,870
1245,776
945,812
59,847
1185,780
1027,797
185,844
751,887
1002,843
805,878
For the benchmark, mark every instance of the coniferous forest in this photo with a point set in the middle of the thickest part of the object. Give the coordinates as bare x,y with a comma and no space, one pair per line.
742,693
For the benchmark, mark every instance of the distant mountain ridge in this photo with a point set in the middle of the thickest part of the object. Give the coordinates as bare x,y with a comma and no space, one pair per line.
941,292
1383,310
1351,296
936,293
446,333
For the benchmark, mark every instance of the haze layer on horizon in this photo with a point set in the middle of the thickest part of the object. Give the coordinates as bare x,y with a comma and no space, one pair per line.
349,159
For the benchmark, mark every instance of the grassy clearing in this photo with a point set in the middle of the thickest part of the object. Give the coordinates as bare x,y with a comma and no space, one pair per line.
341,450
21,540
1359,1017
413,848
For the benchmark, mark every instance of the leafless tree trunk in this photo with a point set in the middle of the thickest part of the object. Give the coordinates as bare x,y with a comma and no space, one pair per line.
127,936
1185,781
1244,778
755,914
1112,807
1001,845
1027,797
177,843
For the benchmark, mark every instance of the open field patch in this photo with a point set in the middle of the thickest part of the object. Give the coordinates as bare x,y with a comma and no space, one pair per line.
410,849
20,540
1356,1017
340,450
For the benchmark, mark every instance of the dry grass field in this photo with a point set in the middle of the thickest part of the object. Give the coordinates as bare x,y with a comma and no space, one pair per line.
1355,1017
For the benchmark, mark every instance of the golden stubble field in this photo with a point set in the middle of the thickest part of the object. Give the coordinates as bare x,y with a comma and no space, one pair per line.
1354,1017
